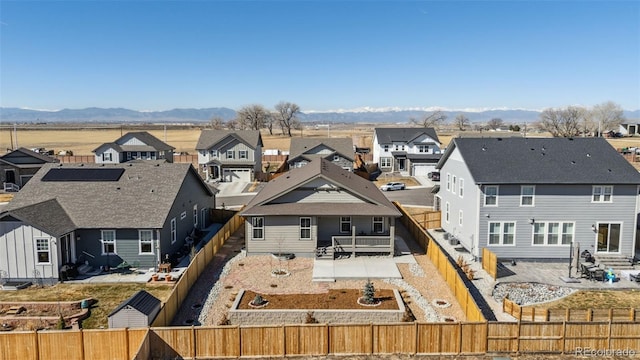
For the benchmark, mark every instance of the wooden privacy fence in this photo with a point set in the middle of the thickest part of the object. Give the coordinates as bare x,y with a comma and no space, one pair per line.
196,267
444,266
490,262
70,159
536,314
475,338
428,219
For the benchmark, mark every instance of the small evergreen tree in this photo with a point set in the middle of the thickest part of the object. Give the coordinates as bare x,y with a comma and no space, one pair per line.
61,324
368,293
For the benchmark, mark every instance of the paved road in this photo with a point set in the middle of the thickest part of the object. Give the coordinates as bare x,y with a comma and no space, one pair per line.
418,196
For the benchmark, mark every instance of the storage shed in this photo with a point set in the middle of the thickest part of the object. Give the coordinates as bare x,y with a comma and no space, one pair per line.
137,311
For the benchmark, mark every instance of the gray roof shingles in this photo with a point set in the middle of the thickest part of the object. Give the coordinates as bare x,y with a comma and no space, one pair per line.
209,138
141,301
390,135
375,203
152,142
141,198
543,161
342,146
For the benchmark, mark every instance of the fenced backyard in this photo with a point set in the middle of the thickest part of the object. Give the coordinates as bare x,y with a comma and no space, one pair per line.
539,314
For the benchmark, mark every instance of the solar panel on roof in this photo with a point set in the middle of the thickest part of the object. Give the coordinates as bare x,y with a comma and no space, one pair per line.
86,174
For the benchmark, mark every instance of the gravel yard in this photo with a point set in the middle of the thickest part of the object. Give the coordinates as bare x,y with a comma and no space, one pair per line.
214,292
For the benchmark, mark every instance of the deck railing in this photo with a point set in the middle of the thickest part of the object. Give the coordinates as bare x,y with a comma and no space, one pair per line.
11,187
362,243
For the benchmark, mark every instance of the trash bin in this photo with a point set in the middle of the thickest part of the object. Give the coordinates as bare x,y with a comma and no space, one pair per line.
453,241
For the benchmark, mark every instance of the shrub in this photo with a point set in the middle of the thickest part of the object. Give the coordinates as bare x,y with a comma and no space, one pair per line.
310,319
61,324
368,293
258,300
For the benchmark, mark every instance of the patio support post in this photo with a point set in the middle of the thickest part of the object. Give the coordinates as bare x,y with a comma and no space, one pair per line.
392,235
353,241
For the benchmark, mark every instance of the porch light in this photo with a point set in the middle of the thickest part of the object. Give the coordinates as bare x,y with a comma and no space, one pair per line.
593,227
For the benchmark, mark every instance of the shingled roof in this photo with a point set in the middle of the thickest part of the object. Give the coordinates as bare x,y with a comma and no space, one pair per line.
209,138
141,197
36,158
141,301
152,142
342,146
543,161
375,203
406,135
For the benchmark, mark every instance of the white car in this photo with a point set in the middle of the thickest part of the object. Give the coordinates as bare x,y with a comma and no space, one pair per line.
392,186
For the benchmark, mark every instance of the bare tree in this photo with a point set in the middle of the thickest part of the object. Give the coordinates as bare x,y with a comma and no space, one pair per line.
217,123
562,122
606,116
232,124
286,115
462,122
269,120
432,119
495,123
252,117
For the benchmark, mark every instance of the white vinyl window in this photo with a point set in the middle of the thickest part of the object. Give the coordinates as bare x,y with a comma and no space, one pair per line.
195,216
453,184
145,242
106,156
460,218
378,224
213,153
305,228
448,182
491,196
108,242
385,148
461,187
527,193
423,148
345,224
257,223
502,233
385,162
243,154
230,154
43,251
602,193
553,233
446,212
174,231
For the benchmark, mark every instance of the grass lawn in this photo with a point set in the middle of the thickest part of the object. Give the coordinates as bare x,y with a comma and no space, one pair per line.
108,297
596,299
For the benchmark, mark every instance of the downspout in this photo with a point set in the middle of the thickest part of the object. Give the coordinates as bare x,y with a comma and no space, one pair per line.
158,248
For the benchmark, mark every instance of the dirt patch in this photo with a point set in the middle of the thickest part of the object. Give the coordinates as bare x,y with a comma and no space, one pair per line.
6,197
596,299
333,299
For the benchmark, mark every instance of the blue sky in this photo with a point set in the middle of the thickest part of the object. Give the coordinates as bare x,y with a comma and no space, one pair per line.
322,55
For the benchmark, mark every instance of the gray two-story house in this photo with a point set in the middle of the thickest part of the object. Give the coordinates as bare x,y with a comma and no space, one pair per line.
134,146
534,197
230,155
409,151
102,215
339,151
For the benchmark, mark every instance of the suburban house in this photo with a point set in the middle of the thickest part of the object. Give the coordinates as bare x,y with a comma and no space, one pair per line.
629,129
18,166
134,146
339,151
101,215
230,155
410,151
320,210
534,197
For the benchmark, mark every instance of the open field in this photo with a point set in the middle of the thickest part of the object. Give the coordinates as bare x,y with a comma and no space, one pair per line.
108,297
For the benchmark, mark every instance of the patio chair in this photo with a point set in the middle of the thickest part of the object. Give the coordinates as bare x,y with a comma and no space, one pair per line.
584,270
598,275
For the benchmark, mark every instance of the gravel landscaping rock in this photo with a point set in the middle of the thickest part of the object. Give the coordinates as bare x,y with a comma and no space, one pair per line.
529,293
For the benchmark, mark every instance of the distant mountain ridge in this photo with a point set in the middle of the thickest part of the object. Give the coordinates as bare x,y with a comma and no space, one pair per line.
190,115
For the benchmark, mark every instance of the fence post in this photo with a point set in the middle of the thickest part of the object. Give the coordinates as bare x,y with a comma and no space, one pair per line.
518,338
81,342
564,335
126,341
609,335
193,342
415,344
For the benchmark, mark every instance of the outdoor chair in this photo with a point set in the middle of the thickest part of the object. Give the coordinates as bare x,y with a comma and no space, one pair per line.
584,270
598,275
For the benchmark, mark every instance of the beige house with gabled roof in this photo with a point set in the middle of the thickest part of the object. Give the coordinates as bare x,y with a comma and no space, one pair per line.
320,210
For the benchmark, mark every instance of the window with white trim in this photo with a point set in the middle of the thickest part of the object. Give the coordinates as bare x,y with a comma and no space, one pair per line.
602,193
527,192
460,218
230,154
107,156
378,224
43,251
609,237
195,215
448,182
145,242
385,162
446,212
491,196
345,224
257,225
128,155
305,228
174,231
143,155
453,184
213,153
423,148
243,154
502,233
461,187
183,215
553,233
108,242
385,148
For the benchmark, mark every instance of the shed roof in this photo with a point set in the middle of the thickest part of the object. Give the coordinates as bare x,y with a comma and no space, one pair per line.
141,301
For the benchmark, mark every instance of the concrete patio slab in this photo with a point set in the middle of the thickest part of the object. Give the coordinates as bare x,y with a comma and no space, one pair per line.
362,267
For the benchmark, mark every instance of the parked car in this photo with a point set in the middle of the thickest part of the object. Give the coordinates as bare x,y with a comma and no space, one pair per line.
392,186
434,176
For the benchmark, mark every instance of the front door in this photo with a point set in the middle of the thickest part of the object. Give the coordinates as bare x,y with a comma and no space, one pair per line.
401,164
203,218
608,238
66,248
10,176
